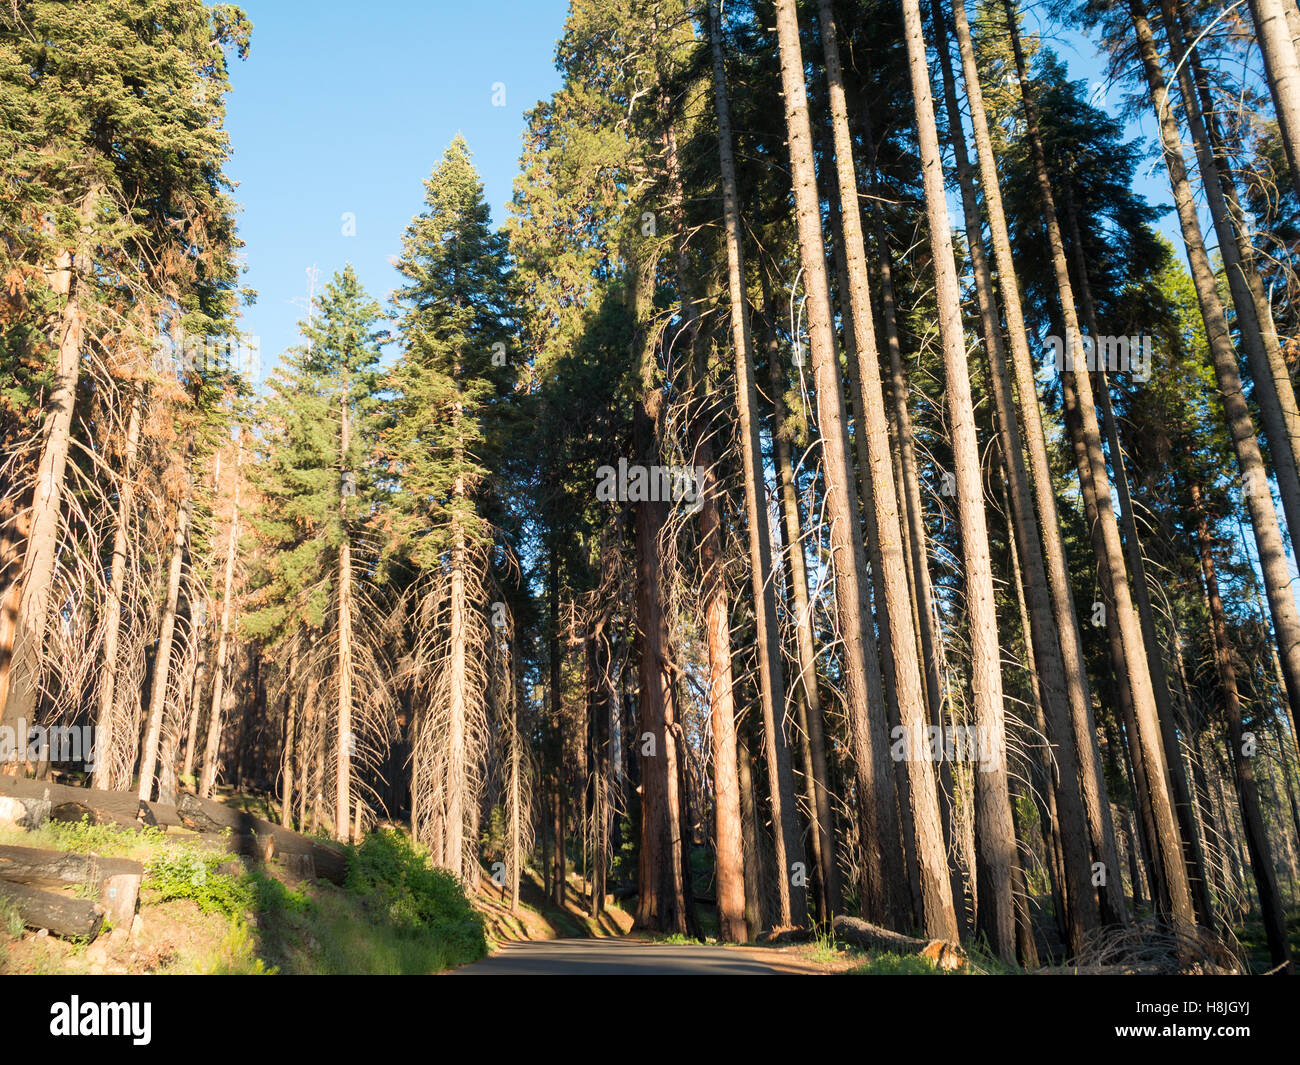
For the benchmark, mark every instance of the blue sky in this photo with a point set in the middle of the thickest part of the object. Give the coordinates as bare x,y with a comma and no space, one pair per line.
346,107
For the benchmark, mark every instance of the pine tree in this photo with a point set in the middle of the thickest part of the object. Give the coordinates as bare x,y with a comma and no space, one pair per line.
317,488
441,431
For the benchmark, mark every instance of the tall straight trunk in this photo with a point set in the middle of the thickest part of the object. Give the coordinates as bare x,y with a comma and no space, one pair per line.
1141,591
454,849
20,683
1082,913
346,741
872,545
900,649
865,694
163,659
515,852
1136,670
749,831
771,679
995,856
661,898
211,750
1074,677
104,739
909,495
289,755
801,611
1275,33
728,846
1259,501
1252,815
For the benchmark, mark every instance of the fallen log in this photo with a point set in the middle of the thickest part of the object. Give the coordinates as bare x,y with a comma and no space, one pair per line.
261,839
103,807
24,813
943,954
66,917
117,879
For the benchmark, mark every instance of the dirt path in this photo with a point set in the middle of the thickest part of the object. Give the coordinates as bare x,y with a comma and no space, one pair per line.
624,957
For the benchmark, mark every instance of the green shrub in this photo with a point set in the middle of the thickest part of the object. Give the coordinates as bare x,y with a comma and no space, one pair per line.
184,873
399,886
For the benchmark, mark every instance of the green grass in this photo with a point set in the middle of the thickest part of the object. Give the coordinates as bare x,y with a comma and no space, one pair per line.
395,914
84,837
889,964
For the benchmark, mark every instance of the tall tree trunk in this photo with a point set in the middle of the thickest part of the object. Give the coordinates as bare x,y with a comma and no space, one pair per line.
105,741
346,741
1141,591
163,659
1252,816
1136,672
1273,392
801,611
731,901
887,889
211,751
453,846
1075,679
661,901
1081,913
289,754
1275,34
894,615
995,829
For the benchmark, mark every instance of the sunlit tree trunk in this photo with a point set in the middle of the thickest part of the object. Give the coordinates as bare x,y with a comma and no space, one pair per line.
1275,34
1074,676
1043,636
865,696
995,831
212,747
163,659
104,738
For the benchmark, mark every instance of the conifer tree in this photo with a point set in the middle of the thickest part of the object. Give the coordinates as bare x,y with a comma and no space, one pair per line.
441,439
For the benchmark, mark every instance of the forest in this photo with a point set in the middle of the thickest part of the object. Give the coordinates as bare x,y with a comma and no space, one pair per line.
836,502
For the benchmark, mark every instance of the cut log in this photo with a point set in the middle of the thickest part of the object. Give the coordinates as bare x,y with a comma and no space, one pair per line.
24,813
943,954
66,917
33,865
118,896
103,807
117,879
260,839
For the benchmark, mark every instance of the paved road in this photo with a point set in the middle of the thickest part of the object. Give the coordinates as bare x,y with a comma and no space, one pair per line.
616,957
